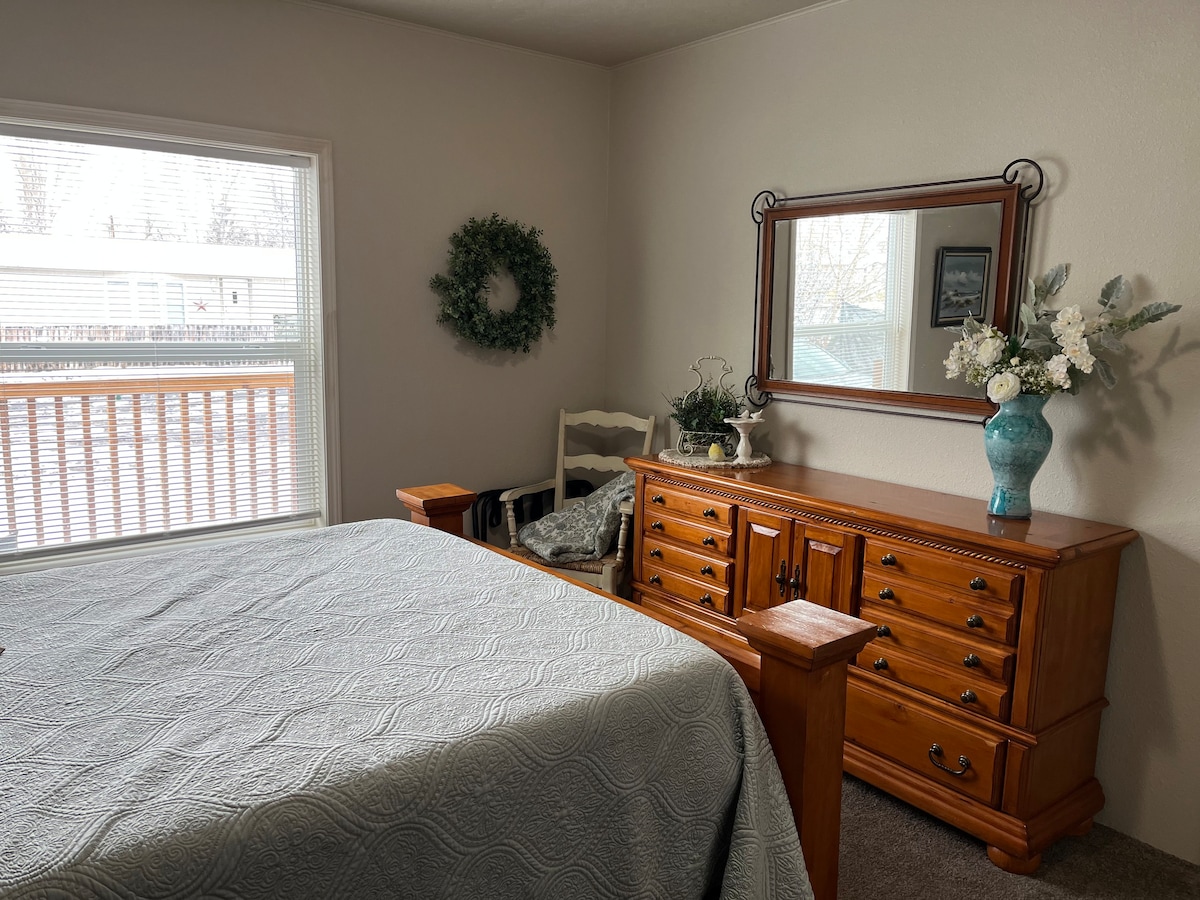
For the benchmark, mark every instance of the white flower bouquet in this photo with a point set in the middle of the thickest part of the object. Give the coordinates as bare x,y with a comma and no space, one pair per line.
1052,351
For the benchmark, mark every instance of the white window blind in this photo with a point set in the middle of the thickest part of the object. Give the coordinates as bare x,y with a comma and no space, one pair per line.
852,284
160,340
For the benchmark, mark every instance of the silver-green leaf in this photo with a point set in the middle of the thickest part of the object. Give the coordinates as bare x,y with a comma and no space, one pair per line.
1037,294
1114,292
1152,312
1054,280
1107,376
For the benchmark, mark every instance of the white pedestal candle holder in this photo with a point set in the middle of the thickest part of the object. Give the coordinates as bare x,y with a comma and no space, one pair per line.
745,424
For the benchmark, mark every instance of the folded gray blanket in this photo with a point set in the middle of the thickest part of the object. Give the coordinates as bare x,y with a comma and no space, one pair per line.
583,531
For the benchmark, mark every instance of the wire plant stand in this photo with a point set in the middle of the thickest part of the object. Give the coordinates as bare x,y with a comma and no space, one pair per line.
695,442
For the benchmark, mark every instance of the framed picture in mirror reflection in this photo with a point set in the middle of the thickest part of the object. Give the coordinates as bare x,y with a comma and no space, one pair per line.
960,284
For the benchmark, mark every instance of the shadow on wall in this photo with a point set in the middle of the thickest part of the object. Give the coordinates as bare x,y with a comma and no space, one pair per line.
1144,723
781,438
1120,424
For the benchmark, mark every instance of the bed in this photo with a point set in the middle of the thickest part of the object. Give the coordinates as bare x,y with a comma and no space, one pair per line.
374,709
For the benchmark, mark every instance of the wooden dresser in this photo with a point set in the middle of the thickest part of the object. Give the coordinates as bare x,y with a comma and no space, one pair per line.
980,698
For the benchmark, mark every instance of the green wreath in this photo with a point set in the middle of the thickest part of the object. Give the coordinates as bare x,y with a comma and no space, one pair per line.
477,251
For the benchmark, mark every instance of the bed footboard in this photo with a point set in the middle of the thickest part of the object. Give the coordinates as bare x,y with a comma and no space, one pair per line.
797,672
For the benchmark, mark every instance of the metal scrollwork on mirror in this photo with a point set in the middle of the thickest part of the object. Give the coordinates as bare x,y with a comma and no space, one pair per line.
856,290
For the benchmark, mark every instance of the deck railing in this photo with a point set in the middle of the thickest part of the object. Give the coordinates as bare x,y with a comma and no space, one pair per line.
87,460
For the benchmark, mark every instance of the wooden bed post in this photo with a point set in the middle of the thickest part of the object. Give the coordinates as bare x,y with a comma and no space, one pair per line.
440,506
805,650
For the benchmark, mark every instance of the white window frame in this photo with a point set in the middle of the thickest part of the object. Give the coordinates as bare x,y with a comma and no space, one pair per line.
116,127
895,325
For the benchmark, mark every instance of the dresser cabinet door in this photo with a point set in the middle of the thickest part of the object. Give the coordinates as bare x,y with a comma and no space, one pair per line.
827,565
787,559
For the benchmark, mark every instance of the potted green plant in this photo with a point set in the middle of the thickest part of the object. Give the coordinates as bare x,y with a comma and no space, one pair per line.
702,411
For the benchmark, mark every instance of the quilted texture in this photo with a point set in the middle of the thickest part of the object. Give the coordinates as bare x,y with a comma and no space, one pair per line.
370,710
582,531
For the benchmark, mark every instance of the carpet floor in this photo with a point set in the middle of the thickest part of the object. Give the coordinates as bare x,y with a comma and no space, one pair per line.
892,850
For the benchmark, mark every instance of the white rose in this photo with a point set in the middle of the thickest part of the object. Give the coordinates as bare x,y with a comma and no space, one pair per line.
1003,387
990,351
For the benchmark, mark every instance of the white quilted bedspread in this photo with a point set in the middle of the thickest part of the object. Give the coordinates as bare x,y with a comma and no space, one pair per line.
370,710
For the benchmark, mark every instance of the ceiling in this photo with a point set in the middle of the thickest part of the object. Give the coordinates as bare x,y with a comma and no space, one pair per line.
604,32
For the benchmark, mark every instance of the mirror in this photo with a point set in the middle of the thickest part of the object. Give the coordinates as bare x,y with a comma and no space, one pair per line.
856,291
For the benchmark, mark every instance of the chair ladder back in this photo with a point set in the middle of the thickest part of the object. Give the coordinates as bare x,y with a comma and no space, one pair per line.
592,461
603,419
595,462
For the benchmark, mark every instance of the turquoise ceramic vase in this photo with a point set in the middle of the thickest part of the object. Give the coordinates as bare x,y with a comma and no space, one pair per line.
1017,441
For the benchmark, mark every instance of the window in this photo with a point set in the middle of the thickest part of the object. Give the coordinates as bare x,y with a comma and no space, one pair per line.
852,278
161,350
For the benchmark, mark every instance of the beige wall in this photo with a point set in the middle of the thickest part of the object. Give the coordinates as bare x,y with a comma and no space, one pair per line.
874,92
427,131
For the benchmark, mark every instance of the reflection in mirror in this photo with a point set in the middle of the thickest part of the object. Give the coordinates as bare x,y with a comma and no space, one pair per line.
857,294
865,299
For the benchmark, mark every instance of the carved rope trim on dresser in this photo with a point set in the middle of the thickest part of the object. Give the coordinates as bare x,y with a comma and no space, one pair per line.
827,520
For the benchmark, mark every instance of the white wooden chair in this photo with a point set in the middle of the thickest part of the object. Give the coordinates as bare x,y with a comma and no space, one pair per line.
608,572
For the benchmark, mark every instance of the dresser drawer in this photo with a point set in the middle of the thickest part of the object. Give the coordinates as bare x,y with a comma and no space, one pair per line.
709,512
715,539
907,734
710,568
961,573
709,596
963,687
968,613
896,630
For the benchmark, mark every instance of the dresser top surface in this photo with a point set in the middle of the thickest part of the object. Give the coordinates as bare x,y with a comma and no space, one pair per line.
897,506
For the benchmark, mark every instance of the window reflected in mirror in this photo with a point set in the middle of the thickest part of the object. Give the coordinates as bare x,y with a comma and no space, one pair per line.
869,296
846,286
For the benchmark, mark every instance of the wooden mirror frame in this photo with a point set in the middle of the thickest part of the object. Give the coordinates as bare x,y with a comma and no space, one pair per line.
1007,189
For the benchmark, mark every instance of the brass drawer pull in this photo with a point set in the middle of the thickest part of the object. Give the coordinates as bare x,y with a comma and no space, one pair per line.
656,552
657,526
710,513
935,752
975,621
978,584
654,579
886,594
971,661
706,600
888,560
883,631
709,541
706,570
657,498
880,664
968,697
